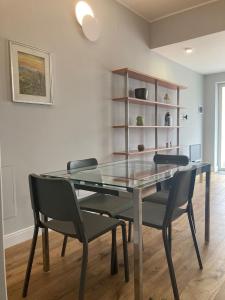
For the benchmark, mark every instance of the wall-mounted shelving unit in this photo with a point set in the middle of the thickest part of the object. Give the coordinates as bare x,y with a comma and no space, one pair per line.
157,82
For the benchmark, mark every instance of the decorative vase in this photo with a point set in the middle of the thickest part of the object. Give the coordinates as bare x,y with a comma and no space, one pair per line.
141,147
166,98
141,93
168,119
140,121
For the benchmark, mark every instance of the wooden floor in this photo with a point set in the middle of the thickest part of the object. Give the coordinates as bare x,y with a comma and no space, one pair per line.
63,279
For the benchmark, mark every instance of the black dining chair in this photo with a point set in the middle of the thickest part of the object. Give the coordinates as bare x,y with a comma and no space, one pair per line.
163,187
100,203
56,199
160,216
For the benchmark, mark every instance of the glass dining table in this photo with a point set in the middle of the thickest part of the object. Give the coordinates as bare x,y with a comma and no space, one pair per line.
133,177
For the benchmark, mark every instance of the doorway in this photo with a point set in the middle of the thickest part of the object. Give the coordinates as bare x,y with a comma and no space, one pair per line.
221,127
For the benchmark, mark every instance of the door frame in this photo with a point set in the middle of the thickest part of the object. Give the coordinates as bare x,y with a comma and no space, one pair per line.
220,87
3,289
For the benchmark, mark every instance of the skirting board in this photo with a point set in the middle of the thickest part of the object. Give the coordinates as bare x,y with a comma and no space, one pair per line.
18,237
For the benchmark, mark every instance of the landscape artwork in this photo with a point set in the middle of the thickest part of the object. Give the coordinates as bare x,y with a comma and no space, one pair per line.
31,74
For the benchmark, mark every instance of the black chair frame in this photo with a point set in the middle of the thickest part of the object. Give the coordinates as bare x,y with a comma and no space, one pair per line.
56,199
182,186
87,164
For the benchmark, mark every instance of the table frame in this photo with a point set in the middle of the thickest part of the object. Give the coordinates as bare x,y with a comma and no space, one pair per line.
136,194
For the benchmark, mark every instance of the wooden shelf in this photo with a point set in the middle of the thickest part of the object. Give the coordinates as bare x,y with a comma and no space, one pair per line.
146,151
147,78
146,102
126,75
145,126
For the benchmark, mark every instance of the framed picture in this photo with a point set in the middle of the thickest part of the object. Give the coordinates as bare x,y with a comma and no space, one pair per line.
31,74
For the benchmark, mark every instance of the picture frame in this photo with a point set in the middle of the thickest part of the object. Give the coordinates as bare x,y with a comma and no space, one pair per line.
31,74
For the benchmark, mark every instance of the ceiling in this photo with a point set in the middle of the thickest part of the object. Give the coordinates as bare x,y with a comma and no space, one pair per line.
153,10
208,53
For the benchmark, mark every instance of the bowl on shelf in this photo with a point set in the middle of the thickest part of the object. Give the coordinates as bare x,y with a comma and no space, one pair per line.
141,93
141,148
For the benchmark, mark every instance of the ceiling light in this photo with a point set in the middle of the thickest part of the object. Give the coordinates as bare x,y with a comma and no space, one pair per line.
83,9
188,50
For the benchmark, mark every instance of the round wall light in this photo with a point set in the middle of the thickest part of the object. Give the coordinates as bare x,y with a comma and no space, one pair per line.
86,18
91,28
83,9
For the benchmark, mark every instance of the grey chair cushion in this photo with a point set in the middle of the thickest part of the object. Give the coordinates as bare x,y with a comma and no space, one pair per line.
159,197
95,225
152,214
106,204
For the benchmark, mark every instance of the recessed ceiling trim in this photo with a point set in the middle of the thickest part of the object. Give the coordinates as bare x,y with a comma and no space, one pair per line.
167,15
134,11
182,10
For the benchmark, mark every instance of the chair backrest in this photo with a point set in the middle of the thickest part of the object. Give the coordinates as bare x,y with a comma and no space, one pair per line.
55,198
84,163
181,160
181,192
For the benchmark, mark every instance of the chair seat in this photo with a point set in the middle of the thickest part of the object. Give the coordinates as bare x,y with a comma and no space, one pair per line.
159,197
105,204
95,225
152,214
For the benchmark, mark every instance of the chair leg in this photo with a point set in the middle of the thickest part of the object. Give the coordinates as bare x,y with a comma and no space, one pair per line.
170,236
195,240
64,245
192,216
125,252
30,261
170,265
130,234
83,271
114,263
129,231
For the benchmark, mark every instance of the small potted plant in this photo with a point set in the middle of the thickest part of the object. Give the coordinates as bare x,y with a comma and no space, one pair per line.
140,121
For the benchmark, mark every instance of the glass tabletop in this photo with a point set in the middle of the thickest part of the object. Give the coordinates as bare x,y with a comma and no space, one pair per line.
127,174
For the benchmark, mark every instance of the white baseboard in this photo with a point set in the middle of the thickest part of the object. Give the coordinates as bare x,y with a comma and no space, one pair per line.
18,237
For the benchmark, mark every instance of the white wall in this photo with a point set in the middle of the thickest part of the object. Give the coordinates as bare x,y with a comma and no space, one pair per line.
38,138
210,134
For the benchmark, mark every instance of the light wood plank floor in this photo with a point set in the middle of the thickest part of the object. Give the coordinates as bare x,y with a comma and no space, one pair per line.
63,279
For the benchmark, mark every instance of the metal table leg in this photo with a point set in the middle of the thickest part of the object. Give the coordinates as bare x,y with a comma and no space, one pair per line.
45,247
207,205
138,263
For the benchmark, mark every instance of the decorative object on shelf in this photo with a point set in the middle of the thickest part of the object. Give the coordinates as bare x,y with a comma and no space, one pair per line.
184,117
200,109
86,18
140,121
168,119
141,93
31,74
141,147
131,93
169,145
166,98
